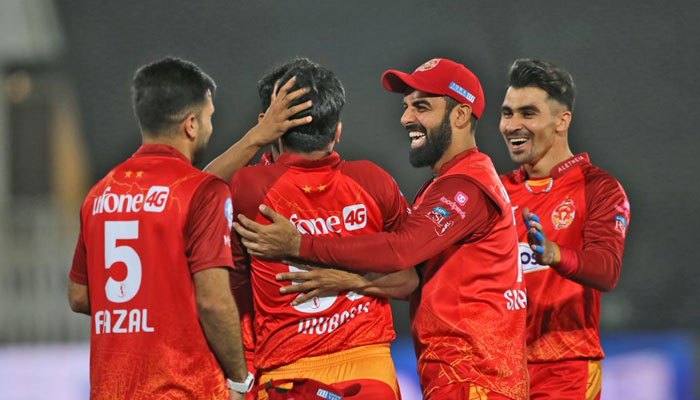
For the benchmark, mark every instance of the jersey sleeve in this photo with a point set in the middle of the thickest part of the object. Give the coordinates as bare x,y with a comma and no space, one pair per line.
208,227
78,270
599,263
240,276
431,228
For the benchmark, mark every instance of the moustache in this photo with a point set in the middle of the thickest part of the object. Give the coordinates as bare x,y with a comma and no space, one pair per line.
416,128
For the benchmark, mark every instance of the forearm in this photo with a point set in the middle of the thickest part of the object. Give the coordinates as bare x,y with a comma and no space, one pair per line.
398,285
236,157
390,251
222,328
78,298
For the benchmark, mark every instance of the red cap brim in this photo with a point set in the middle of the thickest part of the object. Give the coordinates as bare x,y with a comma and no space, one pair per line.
397,81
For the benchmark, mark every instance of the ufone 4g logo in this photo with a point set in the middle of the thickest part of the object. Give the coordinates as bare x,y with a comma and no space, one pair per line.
153,201
354,218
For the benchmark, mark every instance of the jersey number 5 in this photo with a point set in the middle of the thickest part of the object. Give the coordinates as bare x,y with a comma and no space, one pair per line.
125,290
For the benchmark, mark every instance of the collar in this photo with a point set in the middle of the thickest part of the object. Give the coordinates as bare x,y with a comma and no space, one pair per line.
461,156
295,160
163,150
559,169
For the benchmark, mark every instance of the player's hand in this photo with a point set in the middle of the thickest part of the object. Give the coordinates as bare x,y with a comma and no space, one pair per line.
546,251
275,241
234,395
317,281
276,120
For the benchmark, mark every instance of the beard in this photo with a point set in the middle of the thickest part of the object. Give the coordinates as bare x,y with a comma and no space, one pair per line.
437,141
200,149
198,155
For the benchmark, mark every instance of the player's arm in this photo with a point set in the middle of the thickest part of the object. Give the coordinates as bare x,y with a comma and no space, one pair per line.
219,317
78,296
316,281
275,123
599,263
427,231
208,250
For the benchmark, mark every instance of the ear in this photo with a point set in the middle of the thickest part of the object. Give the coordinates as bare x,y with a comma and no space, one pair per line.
563,121
461,115
191,126
260,117
338,130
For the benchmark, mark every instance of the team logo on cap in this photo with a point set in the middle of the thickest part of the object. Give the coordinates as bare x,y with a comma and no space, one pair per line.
564,215
427,66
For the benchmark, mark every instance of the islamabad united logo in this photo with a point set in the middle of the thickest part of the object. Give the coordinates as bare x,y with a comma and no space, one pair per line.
564,215
428,65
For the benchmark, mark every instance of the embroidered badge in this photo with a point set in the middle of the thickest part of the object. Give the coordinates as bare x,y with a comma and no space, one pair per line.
564,215
428,65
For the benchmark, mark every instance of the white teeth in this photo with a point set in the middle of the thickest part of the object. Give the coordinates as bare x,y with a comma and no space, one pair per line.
415,135
518,141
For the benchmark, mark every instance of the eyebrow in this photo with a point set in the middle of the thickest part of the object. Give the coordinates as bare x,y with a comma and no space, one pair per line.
528,107
419,102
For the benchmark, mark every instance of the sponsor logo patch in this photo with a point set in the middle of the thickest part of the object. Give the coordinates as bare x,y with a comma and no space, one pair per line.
454,206
355,217
461,198
564,215
527,259
462,91
442,211
438,215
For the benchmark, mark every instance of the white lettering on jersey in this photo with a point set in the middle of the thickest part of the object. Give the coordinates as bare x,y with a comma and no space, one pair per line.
317,226
528,260
114,321
154,201
355,217
516,299
322,325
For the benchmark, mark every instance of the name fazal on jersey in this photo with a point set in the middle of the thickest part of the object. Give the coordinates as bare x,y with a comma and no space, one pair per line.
122,321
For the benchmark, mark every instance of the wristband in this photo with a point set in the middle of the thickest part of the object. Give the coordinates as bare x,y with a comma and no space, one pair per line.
242,387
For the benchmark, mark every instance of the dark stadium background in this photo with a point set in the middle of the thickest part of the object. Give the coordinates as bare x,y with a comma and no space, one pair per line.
635,65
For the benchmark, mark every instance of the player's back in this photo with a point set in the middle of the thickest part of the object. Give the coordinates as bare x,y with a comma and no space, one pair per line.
328,197
146,338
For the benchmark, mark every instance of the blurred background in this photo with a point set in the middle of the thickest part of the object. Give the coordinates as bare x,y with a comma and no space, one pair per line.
66,120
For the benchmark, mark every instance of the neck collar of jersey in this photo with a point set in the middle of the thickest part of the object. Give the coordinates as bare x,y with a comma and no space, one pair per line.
295,160
461,156
162,150
559,169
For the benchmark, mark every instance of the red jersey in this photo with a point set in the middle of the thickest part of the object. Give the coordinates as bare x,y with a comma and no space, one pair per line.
468,320
585,211
147,226
326,197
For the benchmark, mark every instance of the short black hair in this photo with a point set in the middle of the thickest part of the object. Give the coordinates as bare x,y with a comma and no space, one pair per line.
328,97
164,92
267,83
554,80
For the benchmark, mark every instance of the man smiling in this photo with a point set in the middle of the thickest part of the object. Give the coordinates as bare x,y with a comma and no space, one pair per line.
468,318
574,252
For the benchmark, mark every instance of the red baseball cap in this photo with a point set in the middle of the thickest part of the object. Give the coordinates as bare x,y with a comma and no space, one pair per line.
440,76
